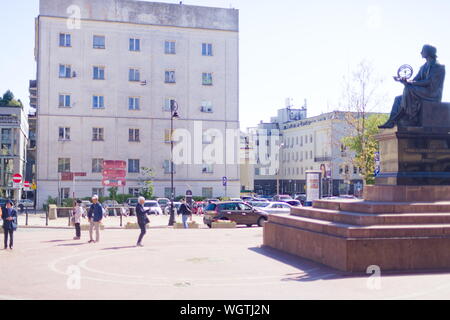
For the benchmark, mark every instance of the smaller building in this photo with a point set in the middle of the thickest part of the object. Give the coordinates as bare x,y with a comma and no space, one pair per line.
14,141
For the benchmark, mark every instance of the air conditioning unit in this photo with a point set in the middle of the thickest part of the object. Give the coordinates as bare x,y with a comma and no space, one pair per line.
144,83
74,74
206,109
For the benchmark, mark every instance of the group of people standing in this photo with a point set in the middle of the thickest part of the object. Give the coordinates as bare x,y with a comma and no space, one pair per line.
95,215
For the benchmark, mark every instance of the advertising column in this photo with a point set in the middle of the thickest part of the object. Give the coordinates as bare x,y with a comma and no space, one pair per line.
313,186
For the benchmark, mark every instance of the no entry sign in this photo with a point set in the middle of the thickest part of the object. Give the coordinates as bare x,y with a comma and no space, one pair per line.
17,178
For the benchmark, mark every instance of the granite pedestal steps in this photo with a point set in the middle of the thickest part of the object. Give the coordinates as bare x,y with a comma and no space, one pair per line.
353,235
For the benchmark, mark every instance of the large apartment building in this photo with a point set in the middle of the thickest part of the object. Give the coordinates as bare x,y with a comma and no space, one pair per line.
107,73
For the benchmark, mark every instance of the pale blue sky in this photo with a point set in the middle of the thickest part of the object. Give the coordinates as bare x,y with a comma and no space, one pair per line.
289,48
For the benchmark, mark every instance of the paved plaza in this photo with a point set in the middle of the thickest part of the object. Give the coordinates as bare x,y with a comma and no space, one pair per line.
187,265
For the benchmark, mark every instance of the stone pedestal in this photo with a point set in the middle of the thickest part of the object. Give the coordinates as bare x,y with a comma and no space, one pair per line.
415,156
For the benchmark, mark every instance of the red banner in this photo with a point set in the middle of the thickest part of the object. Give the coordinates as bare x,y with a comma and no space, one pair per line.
67,176
111,164
114,173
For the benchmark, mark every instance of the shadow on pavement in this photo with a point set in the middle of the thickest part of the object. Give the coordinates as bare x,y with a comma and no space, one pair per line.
308,270
54,241
120,248
71,245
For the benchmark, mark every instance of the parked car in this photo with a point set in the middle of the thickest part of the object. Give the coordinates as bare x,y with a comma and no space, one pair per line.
86,204
25,203
154,207
163,203
239,212
294,203
236,199
132,202
176,206
281,198
110,204
301,198
273,207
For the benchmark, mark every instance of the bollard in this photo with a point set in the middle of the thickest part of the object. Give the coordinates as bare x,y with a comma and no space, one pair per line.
121,219
46,217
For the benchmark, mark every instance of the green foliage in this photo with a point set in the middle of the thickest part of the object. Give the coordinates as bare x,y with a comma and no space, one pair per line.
148,189
113,192
51,200
364,145
8,100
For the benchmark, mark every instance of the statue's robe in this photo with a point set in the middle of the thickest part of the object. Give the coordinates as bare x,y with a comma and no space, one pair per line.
428,85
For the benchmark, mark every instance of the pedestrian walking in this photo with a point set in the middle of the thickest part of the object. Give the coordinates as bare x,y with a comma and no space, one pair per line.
9,216
185,212
95,216
78,213
142,219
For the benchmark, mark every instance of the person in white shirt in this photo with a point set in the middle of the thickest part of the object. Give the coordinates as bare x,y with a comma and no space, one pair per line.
77,215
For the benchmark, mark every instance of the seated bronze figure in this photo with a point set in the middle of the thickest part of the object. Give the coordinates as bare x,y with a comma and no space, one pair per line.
426,86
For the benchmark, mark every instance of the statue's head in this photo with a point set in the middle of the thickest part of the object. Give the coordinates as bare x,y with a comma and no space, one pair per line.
429,51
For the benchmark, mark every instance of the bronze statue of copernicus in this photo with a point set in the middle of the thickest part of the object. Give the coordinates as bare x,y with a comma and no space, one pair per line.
426,86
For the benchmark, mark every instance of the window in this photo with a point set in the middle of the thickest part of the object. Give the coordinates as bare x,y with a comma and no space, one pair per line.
168,104
98,192
207,107
134,103
310,138
207,168
134,75
65,71
64,101
167,167
355,170
207,192
207,49
168,193
133,135
97,165
98,73
135,44
135,192
65,193
64,134
207,79
97,134
133,166
169,47
99,42
63,165
170,77
65,40
341,170
98,102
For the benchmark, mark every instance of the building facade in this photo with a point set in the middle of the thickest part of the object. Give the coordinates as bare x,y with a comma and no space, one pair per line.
107,73
14,141
301,145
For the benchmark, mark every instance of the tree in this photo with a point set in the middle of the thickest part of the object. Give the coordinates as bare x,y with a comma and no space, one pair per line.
361,97
147,180
9,101
113,192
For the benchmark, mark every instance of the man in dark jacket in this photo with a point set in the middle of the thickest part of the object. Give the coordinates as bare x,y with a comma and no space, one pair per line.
95,216
9,216
185,212
142,219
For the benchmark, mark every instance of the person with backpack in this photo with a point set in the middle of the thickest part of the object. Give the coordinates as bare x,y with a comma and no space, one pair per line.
9,216
185,212
95,216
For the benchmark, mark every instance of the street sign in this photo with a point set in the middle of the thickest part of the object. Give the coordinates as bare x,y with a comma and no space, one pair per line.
34,186
17,185
17,178
225,181
114,182
27,184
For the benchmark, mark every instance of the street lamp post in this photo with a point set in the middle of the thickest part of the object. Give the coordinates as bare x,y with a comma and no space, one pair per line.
174,115
278,170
